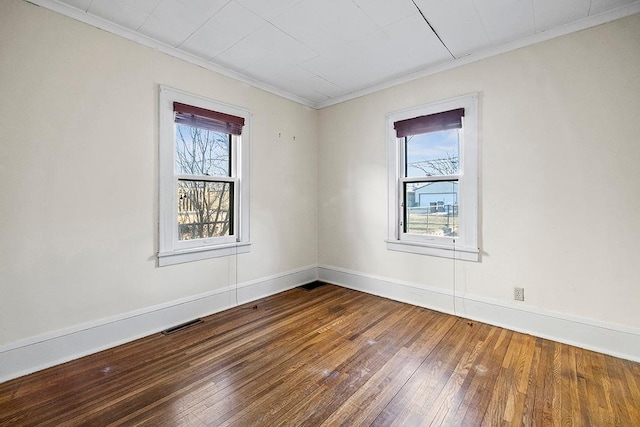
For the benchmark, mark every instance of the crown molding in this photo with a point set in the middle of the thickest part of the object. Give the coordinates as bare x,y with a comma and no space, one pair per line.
583,24
591,21
95,21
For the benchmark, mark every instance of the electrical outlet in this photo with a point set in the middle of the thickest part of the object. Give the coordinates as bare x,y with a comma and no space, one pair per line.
518,294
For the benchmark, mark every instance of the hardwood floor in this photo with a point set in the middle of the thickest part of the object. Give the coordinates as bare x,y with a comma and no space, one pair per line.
326,357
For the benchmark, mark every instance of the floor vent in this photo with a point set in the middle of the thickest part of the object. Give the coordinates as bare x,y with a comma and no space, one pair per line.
182,326
311,286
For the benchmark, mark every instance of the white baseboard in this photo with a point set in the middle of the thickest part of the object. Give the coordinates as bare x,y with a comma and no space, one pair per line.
612,339
36,353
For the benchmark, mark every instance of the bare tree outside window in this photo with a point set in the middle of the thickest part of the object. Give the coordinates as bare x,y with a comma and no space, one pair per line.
445,166
204,203
433,154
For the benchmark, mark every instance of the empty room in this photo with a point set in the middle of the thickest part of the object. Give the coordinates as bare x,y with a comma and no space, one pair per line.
319,213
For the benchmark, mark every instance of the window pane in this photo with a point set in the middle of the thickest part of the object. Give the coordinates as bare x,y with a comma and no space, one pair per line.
433,153
202,152
204,209
431,208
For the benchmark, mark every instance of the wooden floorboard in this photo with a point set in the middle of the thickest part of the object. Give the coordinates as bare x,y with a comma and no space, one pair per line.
327,357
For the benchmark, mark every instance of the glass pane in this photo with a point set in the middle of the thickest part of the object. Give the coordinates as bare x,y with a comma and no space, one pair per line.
433,153
205,209
202,152
431,208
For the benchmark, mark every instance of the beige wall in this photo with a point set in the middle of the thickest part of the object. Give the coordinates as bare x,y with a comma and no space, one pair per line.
559,177
78,176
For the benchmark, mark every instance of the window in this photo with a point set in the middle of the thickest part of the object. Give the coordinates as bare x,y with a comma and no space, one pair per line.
433,179
204,178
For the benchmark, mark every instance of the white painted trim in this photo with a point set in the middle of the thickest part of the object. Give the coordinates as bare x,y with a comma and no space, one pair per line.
591,21
583,24
604,337
198,254
36,353
464,254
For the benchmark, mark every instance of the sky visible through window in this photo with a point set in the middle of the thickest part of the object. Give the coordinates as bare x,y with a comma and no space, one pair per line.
433,153
202,152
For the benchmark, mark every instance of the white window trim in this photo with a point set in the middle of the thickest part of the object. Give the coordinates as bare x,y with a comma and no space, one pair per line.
170,249
465,246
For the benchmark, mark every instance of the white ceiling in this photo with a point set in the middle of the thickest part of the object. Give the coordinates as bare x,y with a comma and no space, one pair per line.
320,52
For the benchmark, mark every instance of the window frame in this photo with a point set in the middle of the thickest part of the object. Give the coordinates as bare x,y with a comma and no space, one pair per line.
465,245
171,250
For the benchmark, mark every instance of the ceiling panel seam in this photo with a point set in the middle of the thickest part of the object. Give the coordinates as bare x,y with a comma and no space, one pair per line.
200,27
433,29
148,14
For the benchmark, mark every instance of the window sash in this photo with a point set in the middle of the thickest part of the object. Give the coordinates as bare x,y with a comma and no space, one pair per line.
234,232
432,178
403,180
196,195
210,178
185,152
432,217
233,236
403,235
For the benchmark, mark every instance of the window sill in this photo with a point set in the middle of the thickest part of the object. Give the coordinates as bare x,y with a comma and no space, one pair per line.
196,254
443,251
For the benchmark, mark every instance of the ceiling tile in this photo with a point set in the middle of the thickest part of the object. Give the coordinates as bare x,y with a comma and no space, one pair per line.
79,4
552,13
129,14
599,6
385,12
173,21
318,84
241,55
358,64
269,70
309,32
330,66
506,20
317,98
413,39
341,18
362,76
268,9
459,27
266,42
222,31
300,81
273,73
278,41
405,46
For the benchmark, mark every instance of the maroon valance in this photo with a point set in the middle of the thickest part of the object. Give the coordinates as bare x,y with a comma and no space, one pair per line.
207,119
431,123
